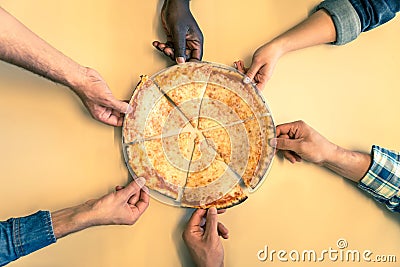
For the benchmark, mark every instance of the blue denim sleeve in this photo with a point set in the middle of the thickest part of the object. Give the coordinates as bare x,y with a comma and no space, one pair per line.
351,17
382,180
346,20
24,235
373,13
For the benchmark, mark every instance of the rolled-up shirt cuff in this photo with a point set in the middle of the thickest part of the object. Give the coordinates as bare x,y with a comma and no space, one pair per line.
346,20
32,233
383,177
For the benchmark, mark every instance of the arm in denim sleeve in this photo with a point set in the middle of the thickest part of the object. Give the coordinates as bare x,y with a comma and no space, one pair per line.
373,13
346,20
351,17
24,235
383,178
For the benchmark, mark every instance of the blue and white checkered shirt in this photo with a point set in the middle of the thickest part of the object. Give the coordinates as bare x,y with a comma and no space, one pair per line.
383,178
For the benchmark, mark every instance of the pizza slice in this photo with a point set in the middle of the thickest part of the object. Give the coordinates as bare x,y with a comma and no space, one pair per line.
210,181
222,106
244,147
187,99
260,131
187,73
153,115
232,79
184,86
164,163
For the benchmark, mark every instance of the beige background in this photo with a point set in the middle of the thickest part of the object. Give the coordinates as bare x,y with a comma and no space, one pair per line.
53,155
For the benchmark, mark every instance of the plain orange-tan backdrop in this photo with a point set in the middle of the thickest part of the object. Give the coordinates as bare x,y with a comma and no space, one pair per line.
53,155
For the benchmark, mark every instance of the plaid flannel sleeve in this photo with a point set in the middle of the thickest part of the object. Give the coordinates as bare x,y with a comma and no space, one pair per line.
383,178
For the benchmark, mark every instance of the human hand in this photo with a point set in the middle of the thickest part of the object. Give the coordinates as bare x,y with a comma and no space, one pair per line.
262,66
99,100
202,238
184,37
124,206
297,141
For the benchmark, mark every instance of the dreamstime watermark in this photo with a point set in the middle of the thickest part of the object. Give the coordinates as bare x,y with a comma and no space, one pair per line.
339,253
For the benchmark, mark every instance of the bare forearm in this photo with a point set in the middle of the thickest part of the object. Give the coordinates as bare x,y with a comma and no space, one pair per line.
22,47
315,30
350,164
71,220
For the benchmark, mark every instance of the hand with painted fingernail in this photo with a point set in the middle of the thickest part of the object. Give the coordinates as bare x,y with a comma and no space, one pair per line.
184,37
202,237
316,29
262,66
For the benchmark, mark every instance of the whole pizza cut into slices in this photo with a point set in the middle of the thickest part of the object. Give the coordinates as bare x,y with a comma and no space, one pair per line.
198,135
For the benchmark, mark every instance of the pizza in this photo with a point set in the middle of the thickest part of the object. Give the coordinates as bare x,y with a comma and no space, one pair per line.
198,135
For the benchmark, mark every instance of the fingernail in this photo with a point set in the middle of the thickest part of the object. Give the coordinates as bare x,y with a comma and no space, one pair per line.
140,181
273,142
246,80
129,109
235,65
212,210
145,189
180,60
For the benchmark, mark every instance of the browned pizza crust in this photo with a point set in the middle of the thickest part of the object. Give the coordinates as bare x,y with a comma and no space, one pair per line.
232,198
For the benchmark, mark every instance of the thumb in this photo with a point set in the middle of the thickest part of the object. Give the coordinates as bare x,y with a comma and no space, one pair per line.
179,42
212,223
132,188
120,106
252,71
285,144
